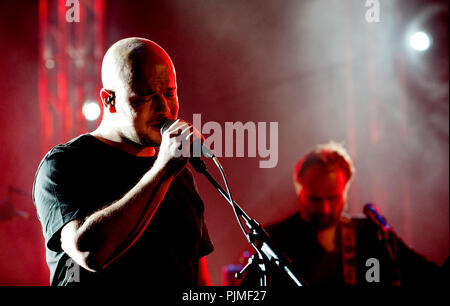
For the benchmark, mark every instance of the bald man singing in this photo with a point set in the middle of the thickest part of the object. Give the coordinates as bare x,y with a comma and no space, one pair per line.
118,205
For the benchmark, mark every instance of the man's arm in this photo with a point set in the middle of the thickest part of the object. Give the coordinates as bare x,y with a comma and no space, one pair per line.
106,234
203,274
91,243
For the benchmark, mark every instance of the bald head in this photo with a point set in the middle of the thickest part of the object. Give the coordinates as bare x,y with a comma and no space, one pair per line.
130,59
139,76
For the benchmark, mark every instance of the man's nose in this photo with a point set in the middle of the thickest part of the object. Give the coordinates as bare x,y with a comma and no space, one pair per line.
325,207
162,104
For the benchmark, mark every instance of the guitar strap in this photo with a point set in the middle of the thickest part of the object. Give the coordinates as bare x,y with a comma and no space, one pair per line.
348,247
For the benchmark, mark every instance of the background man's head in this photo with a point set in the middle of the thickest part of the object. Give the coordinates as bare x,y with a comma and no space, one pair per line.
321,180
140,76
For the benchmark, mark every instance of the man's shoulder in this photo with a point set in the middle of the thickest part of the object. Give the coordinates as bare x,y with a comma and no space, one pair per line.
361,223
284,225
79,143
66,154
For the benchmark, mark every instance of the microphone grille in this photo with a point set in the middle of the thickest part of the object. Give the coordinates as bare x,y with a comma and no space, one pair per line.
369,207
166,125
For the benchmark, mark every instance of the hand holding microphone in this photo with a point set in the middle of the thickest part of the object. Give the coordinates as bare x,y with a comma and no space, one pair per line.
197,149
180,141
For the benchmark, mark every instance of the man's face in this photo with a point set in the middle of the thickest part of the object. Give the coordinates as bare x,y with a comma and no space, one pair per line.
147,101
322,196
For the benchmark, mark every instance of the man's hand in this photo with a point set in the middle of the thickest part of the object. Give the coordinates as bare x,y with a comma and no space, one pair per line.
176,147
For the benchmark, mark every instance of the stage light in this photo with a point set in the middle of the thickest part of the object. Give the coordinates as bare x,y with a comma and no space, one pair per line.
49,64
419,41
91,110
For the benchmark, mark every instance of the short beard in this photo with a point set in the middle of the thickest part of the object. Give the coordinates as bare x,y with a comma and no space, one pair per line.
321,221
317,221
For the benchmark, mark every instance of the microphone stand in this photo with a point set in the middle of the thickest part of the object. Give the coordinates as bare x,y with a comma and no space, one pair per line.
387,236
268,257
390,240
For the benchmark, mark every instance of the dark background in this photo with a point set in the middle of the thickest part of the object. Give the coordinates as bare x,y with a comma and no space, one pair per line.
315,66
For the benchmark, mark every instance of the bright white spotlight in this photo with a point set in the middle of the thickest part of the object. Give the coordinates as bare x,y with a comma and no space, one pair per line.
420,41
91,110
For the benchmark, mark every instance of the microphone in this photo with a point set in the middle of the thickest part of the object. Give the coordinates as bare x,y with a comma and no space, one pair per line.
197,144
8,212
371,211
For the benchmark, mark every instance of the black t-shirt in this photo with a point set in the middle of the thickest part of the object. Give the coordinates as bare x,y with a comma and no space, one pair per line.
310,261
80,177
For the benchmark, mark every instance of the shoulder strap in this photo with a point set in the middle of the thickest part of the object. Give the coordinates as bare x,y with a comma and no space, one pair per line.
348,246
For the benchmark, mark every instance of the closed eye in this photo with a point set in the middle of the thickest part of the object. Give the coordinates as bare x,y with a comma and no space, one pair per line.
314,199
141,100
170,93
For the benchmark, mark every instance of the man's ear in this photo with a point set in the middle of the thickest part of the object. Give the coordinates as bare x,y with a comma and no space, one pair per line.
297,185
108,99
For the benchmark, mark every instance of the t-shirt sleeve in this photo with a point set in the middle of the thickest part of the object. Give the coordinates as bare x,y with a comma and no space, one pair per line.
54,196
205,246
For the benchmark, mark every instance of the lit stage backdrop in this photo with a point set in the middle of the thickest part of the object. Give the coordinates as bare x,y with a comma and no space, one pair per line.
290,74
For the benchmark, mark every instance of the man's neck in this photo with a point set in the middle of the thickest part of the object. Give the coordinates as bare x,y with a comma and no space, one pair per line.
118,142
326,238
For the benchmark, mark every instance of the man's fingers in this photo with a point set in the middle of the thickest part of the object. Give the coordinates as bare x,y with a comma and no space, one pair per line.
186,129
176,125
185,143
175,134
182,135
169,130
187,137
177,131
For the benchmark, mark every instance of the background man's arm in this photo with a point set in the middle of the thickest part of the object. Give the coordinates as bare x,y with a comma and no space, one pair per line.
203,274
